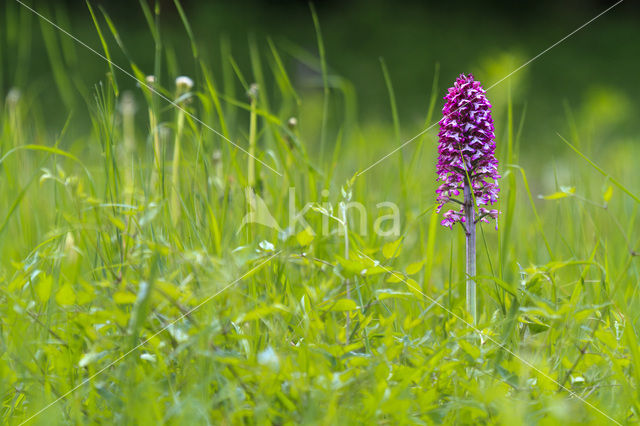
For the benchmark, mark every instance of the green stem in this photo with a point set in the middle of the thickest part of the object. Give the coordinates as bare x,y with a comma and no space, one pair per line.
175,173
345,225
470,231
128,131
252,143
157,155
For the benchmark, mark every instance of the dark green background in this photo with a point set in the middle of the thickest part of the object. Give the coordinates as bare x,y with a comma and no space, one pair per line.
590,78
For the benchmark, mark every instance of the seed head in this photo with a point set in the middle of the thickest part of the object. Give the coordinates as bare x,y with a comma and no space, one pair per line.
13,97
183,84
128,103
467,150
252,93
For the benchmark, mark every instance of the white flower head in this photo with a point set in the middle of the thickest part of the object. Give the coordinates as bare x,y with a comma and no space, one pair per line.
184,83
128,103
269,358
13,97
253,91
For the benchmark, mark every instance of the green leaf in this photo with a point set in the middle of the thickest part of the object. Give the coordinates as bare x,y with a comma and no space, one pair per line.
90,358
66,295
395,278
565,192
359,266
344,305
124,297
105,47
260,313
414,287
387,293
305,237
632,342
414,268
43,289
391,249
608,194
607,338
472,350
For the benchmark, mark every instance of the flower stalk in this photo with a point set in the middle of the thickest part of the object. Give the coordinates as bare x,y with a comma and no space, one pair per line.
345,227
183,85
128,109
175,170
156,174
470,245
251,165
253,95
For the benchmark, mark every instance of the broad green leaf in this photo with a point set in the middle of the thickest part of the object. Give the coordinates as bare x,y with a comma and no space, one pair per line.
66,295
84,297
306,305
43,288
414,287
414,268
260,313
565,192
359,266
170,290
607,338
124,297
547,380
472,350
632,342
117,223
391,249
288,404
395,278
305,237
344,305
409,322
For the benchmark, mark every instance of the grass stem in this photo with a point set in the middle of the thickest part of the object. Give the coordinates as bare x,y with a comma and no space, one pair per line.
175,172
251,178
157,154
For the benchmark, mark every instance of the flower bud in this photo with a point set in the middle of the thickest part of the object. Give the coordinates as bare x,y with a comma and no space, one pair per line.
183,84
13,97
252,93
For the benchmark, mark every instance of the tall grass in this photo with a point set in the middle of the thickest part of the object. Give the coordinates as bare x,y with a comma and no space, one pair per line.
96,259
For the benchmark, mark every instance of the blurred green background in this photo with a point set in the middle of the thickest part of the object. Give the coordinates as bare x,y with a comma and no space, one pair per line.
588,78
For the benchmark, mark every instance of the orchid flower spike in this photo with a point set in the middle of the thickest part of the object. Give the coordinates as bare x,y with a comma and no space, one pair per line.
467,151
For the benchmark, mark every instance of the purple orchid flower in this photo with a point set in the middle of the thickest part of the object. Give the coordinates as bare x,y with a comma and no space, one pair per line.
467,152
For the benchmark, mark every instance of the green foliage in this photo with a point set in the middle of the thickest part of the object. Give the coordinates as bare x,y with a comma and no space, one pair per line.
113,311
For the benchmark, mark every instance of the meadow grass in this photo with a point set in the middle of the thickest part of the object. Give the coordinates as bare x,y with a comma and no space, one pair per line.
103,247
